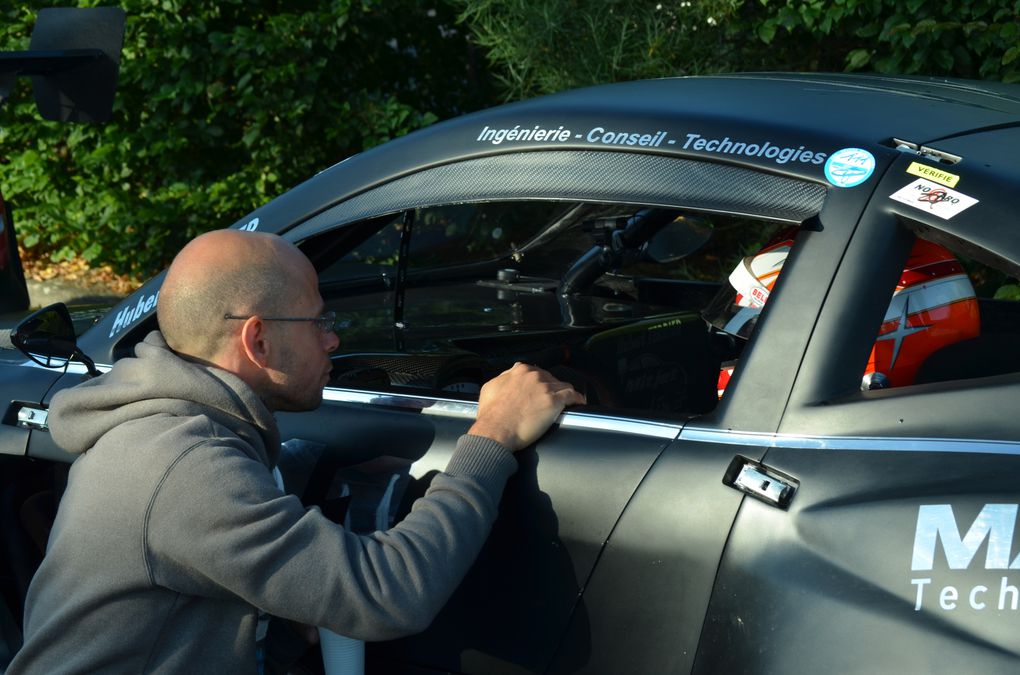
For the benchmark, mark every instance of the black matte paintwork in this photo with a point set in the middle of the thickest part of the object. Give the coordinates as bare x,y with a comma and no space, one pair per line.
557,512
827,586
647,599
808,109
22,385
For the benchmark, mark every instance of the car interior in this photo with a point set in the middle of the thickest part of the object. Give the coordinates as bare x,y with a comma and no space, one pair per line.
606,296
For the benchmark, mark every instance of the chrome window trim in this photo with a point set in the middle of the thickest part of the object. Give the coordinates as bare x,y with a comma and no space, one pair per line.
852,443
467,410
582,420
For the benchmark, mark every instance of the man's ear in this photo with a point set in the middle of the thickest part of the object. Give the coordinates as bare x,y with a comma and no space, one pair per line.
255,341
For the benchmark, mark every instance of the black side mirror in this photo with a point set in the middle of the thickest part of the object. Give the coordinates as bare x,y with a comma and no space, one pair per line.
658,235
679,239
47,337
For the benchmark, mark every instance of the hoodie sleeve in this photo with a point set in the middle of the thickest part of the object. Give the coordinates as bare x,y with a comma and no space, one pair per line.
218,526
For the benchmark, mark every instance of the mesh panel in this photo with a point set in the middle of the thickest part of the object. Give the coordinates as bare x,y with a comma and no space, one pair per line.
588,176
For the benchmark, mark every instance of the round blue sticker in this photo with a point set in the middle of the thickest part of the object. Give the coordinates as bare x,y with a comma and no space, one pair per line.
849,167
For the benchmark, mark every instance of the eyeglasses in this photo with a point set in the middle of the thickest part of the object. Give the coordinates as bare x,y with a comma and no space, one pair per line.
326,322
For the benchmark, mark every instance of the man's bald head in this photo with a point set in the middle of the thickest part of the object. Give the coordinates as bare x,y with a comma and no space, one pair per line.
227,272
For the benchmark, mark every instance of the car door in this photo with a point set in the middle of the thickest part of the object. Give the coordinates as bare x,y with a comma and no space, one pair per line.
609,536
898,552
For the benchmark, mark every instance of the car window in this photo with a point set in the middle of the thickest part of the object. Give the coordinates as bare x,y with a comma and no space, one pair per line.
950,317
916,341
464,233
374,258
564,285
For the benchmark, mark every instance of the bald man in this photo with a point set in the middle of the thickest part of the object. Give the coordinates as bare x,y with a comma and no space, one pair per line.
172,534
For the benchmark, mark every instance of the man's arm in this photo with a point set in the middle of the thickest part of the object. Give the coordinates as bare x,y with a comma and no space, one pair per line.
219,522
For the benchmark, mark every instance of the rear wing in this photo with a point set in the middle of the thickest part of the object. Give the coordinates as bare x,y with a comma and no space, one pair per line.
73,60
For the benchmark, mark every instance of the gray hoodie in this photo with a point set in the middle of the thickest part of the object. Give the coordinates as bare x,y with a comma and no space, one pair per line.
172,533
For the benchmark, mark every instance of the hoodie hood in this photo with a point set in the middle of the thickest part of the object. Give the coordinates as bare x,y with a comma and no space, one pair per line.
157,381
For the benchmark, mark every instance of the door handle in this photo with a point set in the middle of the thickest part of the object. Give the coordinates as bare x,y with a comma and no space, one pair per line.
27,416
761,482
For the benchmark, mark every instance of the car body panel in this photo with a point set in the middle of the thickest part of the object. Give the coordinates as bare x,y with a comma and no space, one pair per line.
860,290
24,384
837,583
887,478
646,602
557,512
757,107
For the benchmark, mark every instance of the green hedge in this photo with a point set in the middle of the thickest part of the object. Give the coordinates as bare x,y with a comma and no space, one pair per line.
224,104
221,106
542,46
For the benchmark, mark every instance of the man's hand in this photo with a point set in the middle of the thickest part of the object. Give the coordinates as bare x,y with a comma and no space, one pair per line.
518,405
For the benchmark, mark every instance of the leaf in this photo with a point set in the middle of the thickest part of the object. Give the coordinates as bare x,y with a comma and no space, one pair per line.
250,136
788,18
923,26
1007,292
92,252
857,59
943,58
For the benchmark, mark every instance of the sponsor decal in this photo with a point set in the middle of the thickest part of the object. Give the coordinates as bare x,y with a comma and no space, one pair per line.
778,154
601,135
597,135
991,532
928,196
760,295
524,133
933,174
130,314
250,226
849,167
670,323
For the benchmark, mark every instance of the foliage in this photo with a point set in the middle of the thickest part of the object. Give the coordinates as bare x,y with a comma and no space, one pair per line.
1008,292
956,38
542,46
222,105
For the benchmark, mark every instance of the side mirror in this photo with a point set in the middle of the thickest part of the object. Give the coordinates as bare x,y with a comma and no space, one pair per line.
658,235
47,337
679,239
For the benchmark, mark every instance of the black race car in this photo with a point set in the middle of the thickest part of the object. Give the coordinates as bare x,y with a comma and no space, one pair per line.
792,303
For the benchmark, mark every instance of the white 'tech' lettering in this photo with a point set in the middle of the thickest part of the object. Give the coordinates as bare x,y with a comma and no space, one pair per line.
1008,597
